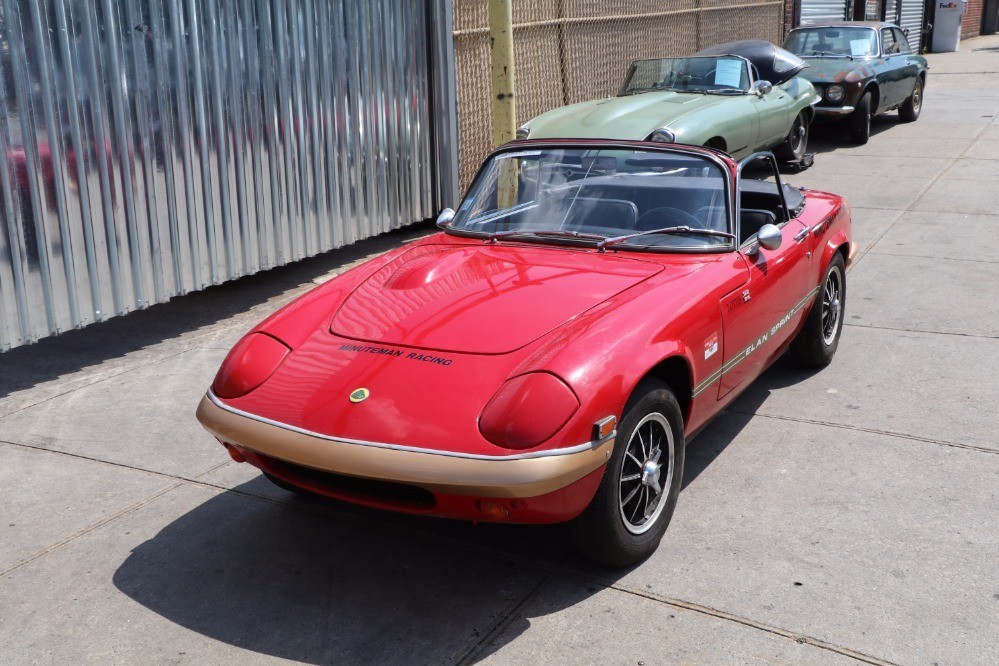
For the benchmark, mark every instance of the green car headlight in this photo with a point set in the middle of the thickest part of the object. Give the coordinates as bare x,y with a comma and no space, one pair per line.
523,132
662,135
835,94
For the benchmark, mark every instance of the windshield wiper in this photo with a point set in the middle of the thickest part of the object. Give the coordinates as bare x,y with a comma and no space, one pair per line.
726,91
544,233
608,242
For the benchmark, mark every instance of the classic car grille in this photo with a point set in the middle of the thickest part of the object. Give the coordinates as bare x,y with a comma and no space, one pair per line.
386,493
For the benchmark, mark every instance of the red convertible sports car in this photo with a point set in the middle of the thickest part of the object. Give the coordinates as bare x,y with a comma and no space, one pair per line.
589,307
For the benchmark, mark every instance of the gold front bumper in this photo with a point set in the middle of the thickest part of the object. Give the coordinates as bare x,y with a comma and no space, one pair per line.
527,475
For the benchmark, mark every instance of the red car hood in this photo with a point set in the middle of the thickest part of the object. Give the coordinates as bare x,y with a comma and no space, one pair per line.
484,299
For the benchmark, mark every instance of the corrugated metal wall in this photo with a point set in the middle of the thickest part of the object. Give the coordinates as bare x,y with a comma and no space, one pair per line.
154,147
824,11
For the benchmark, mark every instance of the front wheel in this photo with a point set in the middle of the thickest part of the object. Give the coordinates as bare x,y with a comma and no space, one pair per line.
816,343
909,111
796,143
860,121
635,500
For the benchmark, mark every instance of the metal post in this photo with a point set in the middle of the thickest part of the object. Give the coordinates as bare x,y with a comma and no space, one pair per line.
501,56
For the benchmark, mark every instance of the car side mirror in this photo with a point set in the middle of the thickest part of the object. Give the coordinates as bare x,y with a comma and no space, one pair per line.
445,218
769,236
764,88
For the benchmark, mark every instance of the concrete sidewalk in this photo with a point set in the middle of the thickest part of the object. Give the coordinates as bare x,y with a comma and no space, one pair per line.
846,515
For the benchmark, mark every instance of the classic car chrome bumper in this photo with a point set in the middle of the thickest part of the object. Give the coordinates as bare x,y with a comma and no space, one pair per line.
833,110
518,476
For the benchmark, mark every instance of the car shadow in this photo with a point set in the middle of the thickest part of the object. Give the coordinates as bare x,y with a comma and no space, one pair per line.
831,136
317,581
59,356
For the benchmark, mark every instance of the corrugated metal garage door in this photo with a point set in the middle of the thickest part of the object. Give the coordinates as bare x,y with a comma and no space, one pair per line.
821,11
910,17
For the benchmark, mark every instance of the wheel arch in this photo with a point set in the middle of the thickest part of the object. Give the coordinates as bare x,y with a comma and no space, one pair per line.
717,142
675,372
875,91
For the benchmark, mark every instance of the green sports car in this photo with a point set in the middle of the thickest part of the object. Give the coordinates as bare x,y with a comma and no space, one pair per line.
739,97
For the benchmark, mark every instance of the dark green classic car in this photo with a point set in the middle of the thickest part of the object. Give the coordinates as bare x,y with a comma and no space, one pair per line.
739,97
861,69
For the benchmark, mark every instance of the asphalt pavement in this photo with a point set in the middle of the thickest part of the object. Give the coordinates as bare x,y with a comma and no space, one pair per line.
846,515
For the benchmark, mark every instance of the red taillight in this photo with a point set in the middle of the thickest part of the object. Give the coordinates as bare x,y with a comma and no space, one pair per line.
527,410
248,365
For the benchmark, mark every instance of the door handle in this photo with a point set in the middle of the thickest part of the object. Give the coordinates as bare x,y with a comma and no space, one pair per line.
801,235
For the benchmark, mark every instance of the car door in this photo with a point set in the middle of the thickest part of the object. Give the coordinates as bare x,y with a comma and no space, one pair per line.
893,75
773,111
758,316
907,63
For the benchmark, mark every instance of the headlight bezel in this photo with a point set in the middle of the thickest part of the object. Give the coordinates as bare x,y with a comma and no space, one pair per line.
835,93
662,135
527,411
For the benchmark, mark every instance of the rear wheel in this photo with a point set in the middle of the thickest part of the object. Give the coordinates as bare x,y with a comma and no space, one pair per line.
796,143
816,343
909,111
860,121
635,500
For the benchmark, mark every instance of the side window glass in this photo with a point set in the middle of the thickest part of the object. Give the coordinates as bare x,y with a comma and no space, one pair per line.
888,43
903,43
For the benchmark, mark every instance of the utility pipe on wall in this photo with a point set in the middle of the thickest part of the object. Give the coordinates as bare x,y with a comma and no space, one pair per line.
501,57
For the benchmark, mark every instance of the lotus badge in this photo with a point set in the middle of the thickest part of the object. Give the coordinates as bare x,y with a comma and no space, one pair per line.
359,395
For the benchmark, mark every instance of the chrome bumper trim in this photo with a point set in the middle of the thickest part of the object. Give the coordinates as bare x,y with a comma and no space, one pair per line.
834,110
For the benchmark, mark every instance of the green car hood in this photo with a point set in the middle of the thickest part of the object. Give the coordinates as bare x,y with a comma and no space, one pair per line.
838,70
628,117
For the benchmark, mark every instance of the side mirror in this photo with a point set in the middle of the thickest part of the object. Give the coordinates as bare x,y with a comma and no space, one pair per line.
769,237
444,219
764,88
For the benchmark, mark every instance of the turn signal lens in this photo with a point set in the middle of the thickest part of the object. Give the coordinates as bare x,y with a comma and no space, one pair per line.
248,365
493,509
604,428
527,410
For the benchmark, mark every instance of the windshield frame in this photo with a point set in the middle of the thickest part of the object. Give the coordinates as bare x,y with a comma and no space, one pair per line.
877,41
623,92
727,167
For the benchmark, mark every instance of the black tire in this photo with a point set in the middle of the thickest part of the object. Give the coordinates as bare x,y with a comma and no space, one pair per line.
284,485
796,143
909,111
816,343
603,532
860,121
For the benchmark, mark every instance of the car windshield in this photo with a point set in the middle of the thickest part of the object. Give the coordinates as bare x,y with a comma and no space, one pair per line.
587,196
721,75
844,42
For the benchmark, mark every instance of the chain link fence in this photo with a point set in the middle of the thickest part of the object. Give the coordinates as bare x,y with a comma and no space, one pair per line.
569,51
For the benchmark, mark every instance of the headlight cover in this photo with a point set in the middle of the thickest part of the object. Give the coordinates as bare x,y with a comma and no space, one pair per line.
662,135
835,93
527,410
248,365
523,132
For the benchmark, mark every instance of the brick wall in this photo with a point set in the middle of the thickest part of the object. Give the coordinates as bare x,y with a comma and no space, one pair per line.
971,24
789,7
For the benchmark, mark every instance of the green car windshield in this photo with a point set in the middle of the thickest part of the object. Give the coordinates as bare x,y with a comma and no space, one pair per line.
844,42
722,74
589,196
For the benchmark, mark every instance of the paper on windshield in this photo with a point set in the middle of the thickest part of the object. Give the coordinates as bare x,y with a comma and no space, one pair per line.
729,73
860,47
